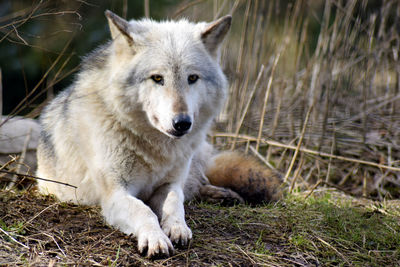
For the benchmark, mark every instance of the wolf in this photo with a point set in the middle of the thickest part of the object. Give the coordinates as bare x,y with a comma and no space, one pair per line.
130,132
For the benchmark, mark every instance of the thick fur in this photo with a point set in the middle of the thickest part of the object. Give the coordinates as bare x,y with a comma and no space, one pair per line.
111,133
246,176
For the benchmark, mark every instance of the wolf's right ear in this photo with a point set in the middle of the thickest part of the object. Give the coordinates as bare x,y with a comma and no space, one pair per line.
215,32
118,26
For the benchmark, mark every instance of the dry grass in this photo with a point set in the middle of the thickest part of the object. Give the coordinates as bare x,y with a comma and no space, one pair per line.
315,87
315,90
327,229
320,76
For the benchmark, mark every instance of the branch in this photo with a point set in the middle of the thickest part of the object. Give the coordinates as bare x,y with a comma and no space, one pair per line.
38,178
309,151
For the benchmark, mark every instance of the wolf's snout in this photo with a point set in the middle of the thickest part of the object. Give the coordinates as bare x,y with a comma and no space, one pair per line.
181,124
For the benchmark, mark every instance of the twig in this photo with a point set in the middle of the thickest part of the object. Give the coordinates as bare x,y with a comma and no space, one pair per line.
296,174
18,107
38,178
268,91
13,239
351,172
313,188
276,118
234,7
220,10
59,248
309,151
348,192
21,159
330,159
12,160
364,186
146,9
369,110
125,9
235,94
247,105
258,155
332,247
36,215
247,255
186,6
303,131
19,36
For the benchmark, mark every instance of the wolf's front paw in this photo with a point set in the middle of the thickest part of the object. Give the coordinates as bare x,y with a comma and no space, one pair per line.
178,232
155,242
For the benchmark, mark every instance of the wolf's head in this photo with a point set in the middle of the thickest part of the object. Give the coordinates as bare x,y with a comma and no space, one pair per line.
168,70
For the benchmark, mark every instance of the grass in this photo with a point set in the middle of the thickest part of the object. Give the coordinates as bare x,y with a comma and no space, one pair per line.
315,85
315,91
326,228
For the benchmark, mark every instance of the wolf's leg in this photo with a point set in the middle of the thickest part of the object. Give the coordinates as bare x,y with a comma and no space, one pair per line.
167,203
132,216
197,186
217,194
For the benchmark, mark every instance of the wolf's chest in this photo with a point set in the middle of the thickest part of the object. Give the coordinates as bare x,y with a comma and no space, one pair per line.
144,182
146,165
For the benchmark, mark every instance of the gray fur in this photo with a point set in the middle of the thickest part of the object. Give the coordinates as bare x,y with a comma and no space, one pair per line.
111,133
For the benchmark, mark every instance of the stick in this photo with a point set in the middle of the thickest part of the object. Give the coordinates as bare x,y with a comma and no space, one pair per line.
38,178
247,105
261,158
267,93
309,151
313,188
303,131
21,159
146,9
13,239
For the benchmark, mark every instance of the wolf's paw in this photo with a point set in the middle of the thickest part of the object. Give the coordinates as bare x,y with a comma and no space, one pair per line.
216,194
178,232
155,242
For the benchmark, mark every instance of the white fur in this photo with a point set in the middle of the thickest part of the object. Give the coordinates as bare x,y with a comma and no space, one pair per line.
110,134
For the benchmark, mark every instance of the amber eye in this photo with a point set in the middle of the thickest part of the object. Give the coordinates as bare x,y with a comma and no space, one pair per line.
157,79
193,78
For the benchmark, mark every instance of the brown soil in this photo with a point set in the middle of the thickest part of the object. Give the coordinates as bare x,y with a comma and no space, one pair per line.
60,233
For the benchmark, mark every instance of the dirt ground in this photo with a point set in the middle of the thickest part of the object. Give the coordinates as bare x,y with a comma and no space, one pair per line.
49,232
327,230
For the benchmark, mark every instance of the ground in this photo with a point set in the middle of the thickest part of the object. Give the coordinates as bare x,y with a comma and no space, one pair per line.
326,228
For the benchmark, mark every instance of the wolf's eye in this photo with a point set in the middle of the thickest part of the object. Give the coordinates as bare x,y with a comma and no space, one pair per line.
157,79
193,78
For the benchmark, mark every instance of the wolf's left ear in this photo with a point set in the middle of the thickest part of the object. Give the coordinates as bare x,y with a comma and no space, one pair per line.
118,26
215,32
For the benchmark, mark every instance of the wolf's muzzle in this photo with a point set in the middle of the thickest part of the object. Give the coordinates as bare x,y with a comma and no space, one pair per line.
181,124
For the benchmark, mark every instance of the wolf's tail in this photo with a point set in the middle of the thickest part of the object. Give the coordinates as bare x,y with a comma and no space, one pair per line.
254,182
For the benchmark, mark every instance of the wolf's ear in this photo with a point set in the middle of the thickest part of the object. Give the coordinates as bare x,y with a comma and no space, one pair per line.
215,32
118,26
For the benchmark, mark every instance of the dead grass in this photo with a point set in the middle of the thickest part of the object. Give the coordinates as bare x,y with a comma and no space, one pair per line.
324,107
327,228
319,76
314,94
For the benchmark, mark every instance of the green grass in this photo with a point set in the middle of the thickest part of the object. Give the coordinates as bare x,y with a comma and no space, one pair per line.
13,229
328,229
343,233
325,229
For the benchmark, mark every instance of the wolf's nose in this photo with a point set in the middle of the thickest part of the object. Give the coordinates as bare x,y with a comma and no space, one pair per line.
181,124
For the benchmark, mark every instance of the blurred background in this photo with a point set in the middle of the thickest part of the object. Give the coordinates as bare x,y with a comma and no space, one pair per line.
315,85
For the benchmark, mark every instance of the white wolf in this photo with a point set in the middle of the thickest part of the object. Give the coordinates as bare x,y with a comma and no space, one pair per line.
130,131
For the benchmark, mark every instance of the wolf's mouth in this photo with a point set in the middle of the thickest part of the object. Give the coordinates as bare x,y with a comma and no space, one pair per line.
177,134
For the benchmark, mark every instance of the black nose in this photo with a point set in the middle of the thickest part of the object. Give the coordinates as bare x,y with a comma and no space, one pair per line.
181,124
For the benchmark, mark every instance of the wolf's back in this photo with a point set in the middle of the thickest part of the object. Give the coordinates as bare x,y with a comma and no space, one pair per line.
243,174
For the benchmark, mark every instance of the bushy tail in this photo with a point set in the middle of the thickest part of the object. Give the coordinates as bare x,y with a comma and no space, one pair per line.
254,182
